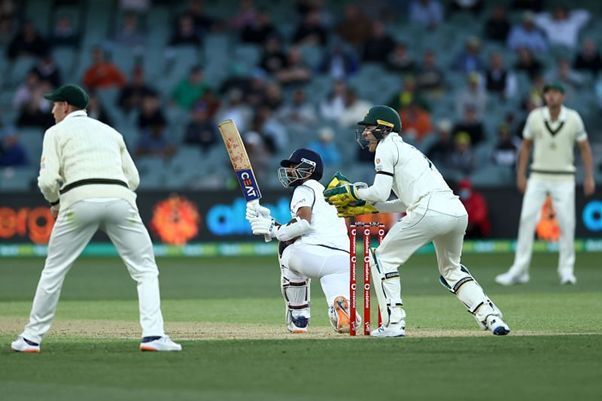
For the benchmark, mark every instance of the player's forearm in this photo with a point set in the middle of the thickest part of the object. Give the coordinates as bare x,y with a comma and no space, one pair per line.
587,159
523,159
49,186
379,191
391,206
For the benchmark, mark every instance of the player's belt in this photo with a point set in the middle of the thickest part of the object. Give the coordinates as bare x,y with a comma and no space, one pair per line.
91,181
552,172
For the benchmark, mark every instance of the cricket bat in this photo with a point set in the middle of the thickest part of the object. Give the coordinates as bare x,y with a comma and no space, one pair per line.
240,162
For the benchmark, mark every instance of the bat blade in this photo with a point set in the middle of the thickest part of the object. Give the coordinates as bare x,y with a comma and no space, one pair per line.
240,160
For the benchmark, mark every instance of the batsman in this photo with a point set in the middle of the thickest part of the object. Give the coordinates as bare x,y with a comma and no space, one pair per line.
433,214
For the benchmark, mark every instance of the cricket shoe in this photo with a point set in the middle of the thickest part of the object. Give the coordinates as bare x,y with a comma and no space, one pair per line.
568,279
510,278
339,315
298,325
159,344
22,344
392,330
496,325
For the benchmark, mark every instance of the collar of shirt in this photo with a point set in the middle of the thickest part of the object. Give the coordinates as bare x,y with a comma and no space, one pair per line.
561,115
76,113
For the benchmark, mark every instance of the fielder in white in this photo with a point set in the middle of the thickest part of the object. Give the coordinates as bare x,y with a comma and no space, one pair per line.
433,214
314,244
551,131
89,178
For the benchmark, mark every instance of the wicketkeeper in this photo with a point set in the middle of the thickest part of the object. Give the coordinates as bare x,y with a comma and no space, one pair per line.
314,244
433,214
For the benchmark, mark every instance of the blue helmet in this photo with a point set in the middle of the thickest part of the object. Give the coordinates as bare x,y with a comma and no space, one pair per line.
302,165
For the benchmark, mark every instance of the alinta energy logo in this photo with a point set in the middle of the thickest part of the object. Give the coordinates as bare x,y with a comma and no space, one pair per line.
175,220
34,223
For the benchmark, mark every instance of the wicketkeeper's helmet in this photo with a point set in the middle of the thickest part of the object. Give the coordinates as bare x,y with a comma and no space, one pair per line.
302,165
384,118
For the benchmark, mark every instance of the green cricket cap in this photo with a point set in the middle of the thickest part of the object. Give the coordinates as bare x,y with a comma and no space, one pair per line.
553,86
70,93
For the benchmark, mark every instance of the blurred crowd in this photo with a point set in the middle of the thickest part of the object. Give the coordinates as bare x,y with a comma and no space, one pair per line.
520,43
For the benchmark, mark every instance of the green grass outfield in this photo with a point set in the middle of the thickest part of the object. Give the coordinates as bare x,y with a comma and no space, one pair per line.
228,314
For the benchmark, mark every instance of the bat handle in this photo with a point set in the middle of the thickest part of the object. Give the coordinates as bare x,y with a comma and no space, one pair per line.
266,237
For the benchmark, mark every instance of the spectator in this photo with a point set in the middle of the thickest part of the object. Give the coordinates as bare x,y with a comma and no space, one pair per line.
379,43
273,133
462,157
235,109
151,112
129,33
34,111
469,60
400,60
155,143
470,125
27,42
185,33
25,91
96,110
298,111
473,95
331,108
47,70
295,71
137,6
428,13
429,76
310,31
562,26
102,73
569,78
201,131
131,95
527,35
498,79
273,96
356,27
246,15
409,93
259,155
201,21
354,109
190,89
415,120
506,149
479,225
527,62
440,151
259,31
497,26
7,24
64,33
326,148
12,152
273,59
588,58
339,62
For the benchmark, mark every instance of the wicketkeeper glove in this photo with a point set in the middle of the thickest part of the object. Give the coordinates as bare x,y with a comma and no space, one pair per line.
349,211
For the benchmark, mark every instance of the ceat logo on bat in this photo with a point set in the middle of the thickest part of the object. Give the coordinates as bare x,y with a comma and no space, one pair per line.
249,186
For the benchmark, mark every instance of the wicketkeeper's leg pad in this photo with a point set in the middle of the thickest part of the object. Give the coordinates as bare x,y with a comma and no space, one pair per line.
471,294
387,286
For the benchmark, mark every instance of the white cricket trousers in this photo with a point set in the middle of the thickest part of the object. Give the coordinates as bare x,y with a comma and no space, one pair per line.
72,231
438,217
301,261
562,191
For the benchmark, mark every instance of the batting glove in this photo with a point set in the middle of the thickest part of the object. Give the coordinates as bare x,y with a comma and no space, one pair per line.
254,209
263,226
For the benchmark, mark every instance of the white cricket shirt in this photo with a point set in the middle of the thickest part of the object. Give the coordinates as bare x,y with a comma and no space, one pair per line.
554,141
81,148
413,174
327,228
